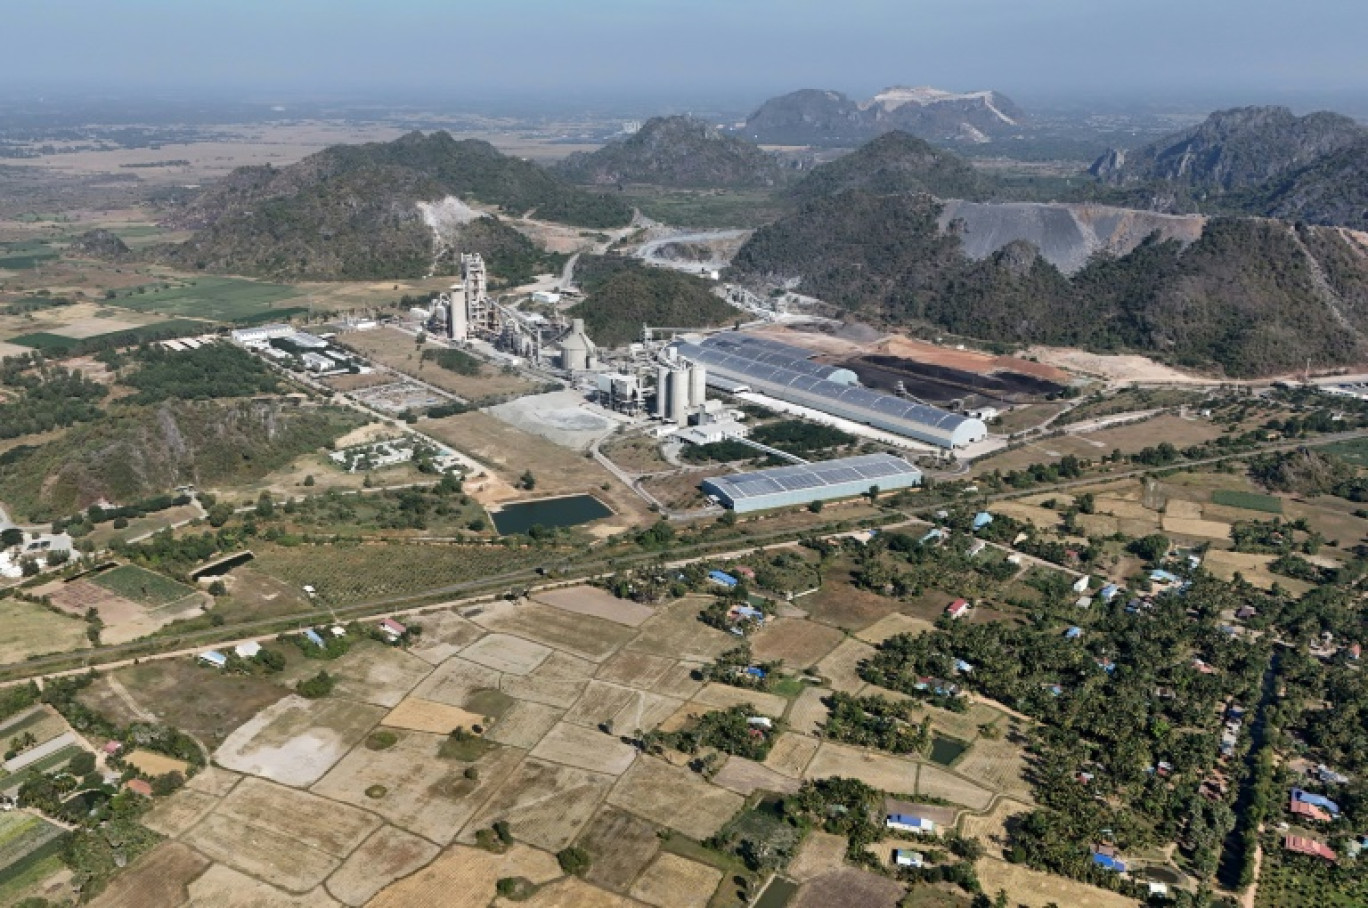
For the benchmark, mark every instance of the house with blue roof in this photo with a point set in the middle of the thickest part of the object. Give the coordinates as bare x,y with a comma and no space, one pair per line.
982,519
1160,576
932,535
964,668
1307,797
722,578
213,657
1109,592
901,822
1107,862
312,636
1073,633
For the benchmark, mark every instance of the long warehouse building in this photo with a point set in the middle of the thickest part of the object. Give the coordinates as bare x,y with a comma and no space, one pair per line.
826,480
740,362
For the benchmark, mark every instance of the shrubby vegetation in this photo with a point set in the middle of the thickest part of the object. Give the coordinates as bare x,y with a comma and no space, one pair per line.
623,294
49,397
215,371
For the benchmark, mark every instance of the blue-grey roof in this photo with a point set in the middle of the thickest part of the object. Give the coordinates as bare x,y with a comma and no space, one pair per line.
865,468
737,358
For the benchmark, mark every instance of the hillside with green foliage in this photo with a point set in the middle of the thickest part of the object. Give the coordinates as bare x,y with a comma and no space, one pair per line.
1257,160
678,152
138,452
351,212
1249,297
622,294
893,164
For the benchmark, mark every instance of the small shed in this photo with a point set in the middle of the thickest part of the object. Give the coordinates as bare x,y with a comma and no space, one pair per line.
906,858
213,657
958,609
1082,583
312,636
247,650
392,629
982,519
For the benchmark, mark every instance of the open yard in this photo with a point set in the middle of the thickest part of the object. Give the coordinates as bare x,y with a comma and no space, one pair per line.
196,698
398,351
31,630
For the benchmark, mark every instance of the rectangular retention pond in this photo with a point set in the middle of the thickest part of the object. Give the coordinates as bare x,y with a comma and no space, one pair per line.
551,513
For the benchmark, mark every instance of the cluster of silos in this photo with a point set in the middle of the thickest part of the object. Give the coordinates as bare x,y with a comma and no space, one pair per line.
681,388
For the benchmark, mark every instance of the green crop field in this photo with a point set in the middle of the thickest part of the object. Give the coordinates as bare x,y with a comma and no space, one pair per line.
225,299
28,852
49,342
26,254
1356,451
359,573
1250,501
143,586
50,762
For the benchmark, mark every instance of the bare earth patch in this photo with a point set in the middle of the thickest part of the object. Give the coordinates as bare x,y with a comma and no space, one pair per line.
797,642
597,603
583,635
892,625
295,741
820,853
621,845
633,669
840,666
848,888
416,714
503,653
1036,889
807,713
745,777
223,887
791,754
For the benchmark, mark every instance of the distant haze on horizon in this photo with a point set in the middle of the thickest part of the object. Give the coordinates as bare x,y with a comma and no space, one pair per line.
720,52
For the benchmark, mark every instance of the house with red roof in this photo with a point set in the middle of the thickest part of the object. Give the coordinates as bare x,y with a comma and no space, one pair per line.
958,609
1310,847
139,787
1307,811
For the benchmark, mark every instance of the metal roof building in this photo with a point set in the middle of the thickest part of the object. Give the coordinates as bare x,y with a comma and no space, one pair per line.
738,362
798,485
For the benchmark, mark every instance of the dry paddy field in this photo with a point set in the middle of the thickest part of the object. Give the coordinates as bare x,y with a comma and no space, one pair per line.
936,782
998,764
808,713
675,882
745,777
840,667
596,603
464,877
378,674
289,839
223,887
178,814
675,631
886,773
425,715
798,643
674,797
892,625
848,888
991,827
791,754
160,877
622,845
578,633
388,855
1036,889
545,804
422,793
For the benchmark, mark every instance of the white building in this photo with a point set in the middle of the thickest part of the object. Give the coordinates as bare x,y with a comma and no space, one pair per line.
317,362
901,822
247,650
546,297
261,334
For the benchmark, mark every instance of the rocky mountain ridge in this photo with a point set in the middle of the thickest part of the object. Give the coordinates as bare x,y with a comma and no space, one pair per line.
823,117
681,152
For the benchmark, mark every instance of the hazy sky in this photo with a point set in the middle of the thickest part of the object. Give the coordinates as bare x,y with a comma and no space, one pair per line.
682,49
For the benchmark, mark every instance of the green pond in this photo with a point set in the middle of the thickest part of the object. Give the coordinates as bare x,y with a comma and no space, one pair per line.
946,750
551,513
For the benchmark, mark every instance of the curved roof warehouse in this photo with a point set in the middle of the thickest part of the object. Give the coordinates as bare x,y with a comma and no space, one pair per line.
739,362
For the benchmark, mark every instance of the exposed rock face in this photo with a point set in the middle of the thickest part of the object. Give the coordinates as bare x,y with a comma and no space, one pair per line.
1066,235
675,151
1233,149
817,117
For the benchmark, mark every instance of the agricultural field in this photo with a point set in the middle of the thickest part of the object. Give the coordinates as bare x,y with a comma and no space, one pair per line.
1128,439
361,573
31,630
295,741
161,877
142,586
29,849
224,299
125,619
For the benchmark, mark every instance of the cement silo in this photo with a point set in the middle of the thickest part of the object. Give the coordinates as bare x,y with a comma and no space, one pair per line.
662,409
577,350
679,395
698,386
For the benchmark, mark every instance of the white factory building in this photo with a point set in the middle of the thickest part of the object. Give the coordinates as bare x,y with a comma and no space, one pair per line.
802,484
